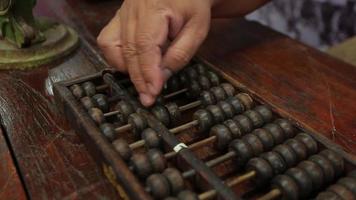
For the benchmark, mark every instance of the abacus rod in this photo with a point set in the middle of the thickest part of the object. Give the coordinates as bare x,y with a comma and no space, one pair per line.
123,128
137,144
175,93
190,105
184,126
273,194
102,87
111,113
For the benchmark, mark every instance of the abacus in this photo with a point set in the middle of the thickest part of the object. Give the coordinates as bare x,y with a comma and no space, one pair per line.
203,139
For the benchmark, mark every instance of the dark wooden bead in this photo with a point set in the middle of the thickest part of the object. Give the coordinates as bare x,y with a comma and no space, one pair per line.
265,137
276,132
246,100
205,120
158,186
213,78
183,78
244,122
191,73
175,179
88,102
299,148
243,151
171,198
138,123
255,143
108,130
162,114
276,161
342,192
151,138
200,69
236,104
160,100
289,187
229,89
157,160
174,113
234,128
207,98
287,127
217,113
77,91
228,110
123,148
194,89
348,183
102,101
326,166
126,109
187,195
204,82
132,90
265,113
141,165
223,136
314,172
264,171
89,88
309,142
328,195
303,181
218,93
173,84
255,117
287,153
97,115
336,160
352,174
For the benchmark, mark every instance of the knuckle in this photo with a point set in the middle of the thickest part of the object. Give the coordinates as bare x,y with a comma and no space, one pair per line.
144,42
129,49
180,56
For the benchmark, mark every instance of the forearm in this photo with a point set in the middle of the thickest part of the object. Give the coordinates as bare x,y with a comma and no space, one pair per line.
235,8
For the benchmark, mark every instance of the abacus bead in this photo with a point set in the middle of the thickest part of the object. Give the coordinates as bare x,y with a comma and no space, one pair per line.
299,148
204,82
217,113
158,185
161,113
244,122
171,198
336,160
218,93
287,186
243,151
328,195
102,102
204,118
151,138
287,127
88,102
97,115
236,104
309,142
223,136
141,165
228,110
108,131
200,69
352,174
175,179
123,148
234,128
126,109
255,143
77,91
246,100
265,137
89,88
194,89
207,98
287,154
263,169
132,90
160,100
255,117
183,78
314,172
187,195
138,123
342,192
348,183
265,113
276,161
228,88
213,78
157,160
173,84
192,73
276,132
302,179
174,113
326,166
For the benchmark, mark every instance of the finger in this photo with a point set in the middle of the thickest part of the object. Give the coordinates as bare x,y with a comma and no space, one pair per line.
109,41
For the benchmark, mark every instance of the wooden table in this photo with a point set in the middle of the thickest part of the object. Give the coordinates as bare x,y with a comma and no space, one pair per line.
43,158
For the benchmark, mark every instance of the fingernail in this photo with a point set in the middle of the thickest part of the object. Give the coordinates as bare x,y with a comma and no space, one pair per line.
146,99
167,73
152,89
